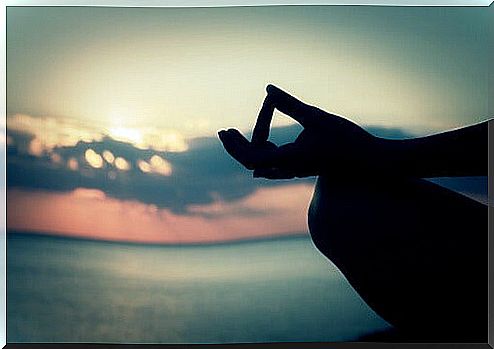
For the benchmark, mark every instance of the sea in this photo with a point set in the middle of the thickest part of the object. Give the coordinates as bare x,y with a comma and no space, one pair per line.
278,290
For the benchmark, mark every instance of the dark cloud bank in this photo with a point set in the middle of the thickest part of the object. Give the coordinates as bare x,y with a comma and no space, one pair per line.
200,175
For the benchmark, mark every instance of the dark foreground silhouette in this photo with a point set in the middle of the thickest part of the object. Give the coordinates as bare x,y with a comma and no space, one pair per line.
414,251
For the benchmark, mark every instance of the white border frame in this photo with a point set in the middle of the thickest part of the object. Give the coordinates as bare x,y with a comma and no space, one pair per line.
148,3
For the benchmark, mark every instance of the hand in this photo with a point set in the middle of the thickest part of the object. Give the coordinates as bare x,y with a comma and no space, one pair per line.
328,143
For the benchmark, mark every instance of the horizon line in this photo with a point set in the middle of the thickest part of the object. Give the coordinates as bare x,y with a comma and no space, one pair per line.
43,234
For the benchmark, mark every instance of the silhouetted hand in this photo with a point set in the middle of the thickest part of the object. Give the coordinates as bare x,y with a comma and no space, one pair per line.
333,145
328,143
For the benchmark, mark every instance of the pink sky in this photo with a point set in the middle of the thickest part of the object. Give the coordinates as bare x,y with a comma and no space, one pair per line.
89,213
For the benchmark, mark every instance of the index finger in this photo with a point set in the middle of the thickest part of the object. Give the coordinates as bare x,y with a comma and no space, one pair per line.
263,123
305,114
276,98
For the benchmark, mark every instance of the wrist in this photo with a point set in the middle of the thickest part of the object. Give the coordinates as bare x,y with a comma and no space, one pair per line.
391,158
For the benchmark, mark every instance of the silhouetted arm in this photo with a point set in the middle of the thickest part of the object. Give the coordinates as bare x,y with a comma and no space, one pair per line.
460,152
333,145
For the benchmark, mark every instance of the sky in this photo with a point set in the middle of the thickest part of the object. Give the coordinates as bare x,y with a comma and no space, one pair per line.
112,113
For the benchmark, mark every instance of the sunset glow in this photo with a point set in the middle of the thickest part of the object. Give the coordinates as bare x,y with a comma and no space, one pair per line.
160,166
112,130
122,164
144,166
73,164
126,134
93,158
108,156
90,213
36,147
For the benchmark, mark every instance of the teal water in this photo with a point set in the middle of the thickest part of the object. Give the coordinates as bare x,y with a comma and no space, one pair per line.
65,290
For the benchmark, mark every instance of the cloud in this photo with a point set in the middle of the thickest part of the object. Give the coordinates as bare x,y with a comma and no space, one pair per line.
179,181
49,133
122,170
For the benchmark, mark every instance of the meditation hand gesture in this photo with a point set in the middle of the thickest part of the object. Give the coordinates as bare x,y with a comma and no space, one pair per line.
335,146
328,143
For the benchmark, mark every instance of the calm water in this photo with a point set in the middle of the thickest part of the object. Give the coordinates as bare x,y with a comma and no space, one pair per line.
63,290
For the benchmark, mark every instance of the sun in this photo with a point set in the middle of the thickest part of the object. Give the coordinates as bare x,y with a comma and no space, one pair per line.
124,134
